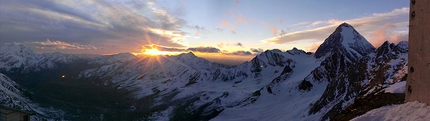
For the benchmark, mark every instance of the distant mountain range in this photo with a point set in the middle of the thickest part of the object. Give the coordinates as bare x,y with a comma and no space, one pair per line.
274,85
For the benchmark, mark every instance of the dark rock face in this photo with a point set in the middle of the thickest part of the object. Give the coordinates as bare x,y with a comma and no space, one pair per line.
350,61
355,77
341,91
367,103
305,85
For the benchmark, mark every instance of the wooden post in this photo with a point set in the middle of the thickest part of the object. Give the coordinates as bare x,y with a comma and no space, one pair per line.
418,81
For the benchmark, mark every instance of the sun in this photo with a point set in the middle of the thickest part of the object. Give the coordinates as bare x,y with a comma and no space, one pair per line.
153,51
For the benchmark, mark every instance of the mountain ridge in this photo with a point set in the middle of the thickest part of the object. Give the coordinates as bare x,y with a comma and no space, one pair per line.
189,87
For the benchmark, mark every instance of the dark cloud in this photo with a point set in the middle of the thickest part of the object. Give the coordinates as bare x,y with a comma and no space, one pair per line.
239,44
233,32
192,49
164,48
256,50
240,52
94,22
200,29
222,44
54,45
204,49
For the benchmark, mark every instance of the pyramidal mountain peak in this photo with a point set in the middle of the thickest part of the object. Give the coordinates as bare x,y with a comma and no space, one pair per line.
346,40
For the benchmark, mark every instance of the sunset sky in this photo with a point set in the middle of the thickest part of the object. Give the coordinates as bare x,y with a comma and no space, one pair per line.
217,27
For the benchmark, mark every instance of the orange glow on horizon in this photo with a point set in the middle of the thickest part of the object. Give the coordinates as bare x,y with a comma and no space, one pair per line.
153,52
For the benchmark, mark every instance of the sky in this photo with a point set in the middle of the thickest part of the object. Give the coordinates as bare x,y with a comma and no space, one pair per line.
237,29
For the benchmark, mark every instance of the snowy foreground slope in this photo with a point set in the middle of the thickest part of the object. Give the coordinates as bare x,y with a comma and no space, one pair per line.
411,111
275,85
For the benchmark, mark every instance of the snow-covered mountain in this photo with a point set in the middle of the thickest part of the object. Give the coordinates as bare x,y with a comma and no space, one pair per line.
275,85
346,41
210,87
61,58
109,59
21,59
385,66
19,56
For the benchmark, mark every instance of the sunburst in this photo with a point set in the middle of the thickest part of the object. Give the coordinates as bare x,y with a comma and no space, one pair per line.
153,52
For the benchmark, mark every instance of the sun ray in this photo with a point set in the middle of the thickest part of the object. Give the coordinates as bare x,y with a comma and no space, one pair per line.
152,52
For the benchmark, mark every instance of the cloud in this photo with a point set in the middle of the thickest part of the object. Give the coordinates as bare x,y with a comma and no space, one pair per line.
222,44
54,45
274,31
240,52
224,23
233,32
365,25
273,28
219,29
381,35
200,29
398,37
239,44
100,23
239,18
204,49
316,23
300,24
313,47
283,32
257,50
163,48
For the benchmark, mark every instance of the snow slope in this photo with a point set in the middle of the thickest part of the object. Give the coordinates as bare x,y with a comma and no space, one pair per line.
285,101
411,111
18,56
21,59
399,87
13,96
67,58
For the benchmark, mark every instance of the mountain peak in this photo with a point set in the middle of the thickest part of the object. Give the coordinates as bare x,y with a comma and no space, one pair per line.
402,46
189,54
344,24
345,39
18,55
15,48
